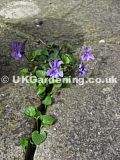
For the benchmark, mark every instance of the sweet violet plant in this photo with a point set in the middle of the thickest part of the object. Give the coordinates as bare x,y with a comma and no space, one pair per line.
18,50
55,62
87,54
82,69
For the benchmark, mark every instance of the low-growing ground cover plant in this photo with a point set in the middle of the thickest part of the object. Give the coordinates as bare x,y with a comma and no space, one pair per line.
52,61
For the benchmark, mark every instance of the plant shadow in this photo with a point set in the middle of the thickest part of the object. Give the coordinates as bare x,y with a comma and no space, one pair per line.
49,30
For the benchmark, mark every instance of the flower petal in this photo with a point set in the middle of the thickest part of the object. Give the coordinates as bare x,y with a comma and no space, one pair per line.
49,72
59,64
14,45
60,73
19,55
86,49
91,56
56,75
55,63
82,69
84,57
50,64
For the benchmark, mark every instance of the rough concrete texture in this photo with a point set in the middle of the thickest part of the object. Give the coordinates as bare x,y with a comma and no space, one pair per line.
88,116
19,9
13,124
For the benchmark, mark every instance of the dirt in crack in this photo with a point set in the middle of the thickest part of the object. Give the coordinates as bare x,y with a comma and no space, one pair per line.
29,155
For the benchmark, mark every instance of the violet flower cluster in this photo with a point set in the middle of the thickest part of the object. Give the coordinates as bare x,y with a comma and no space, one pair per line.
18,50
18,53
54,72
87,56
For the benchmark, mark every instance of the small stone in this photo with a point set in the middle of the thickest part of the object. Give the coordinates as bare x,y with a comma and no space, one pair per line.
55,129
102,41
38,25
91,113
106,90
98,133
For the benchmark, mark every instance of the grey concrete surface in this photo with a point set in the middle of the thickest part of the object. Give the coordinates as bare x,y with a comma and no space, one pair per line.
88,116
13,124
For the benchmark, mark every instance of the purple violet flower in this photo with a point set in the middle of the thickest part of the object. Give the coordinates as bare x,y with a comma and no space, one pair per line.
87,54
18,50
54,72
82,69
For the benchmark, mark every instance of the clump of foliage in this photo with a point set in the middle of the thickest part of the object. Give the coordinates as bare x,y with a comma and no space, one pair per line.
54,62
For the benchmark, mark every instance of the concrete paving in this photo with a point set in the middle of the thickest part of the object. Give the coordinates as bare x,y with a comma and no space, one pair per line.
13,124
89,115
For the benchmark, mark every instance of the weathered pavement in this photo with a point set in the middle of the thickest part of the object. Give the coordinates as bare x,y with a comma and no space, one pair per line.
13,124
89,115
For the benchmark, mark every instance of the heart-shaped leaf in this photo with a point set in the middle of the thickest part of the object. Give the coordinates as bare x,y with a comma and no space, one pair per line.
40,73
47,120
41,89
66,58
38,138
30,111
47,101
24,72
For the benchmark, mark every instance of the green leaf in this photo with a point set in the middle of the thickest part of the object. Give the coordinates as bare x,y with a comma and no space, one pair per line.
38,138
47,101
36,53
24,72
35,68
41,89
40,73
44,52
24,143
30,111
54,56
33,80
66,58
57,85
40,52
42,59
47,120
45,66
